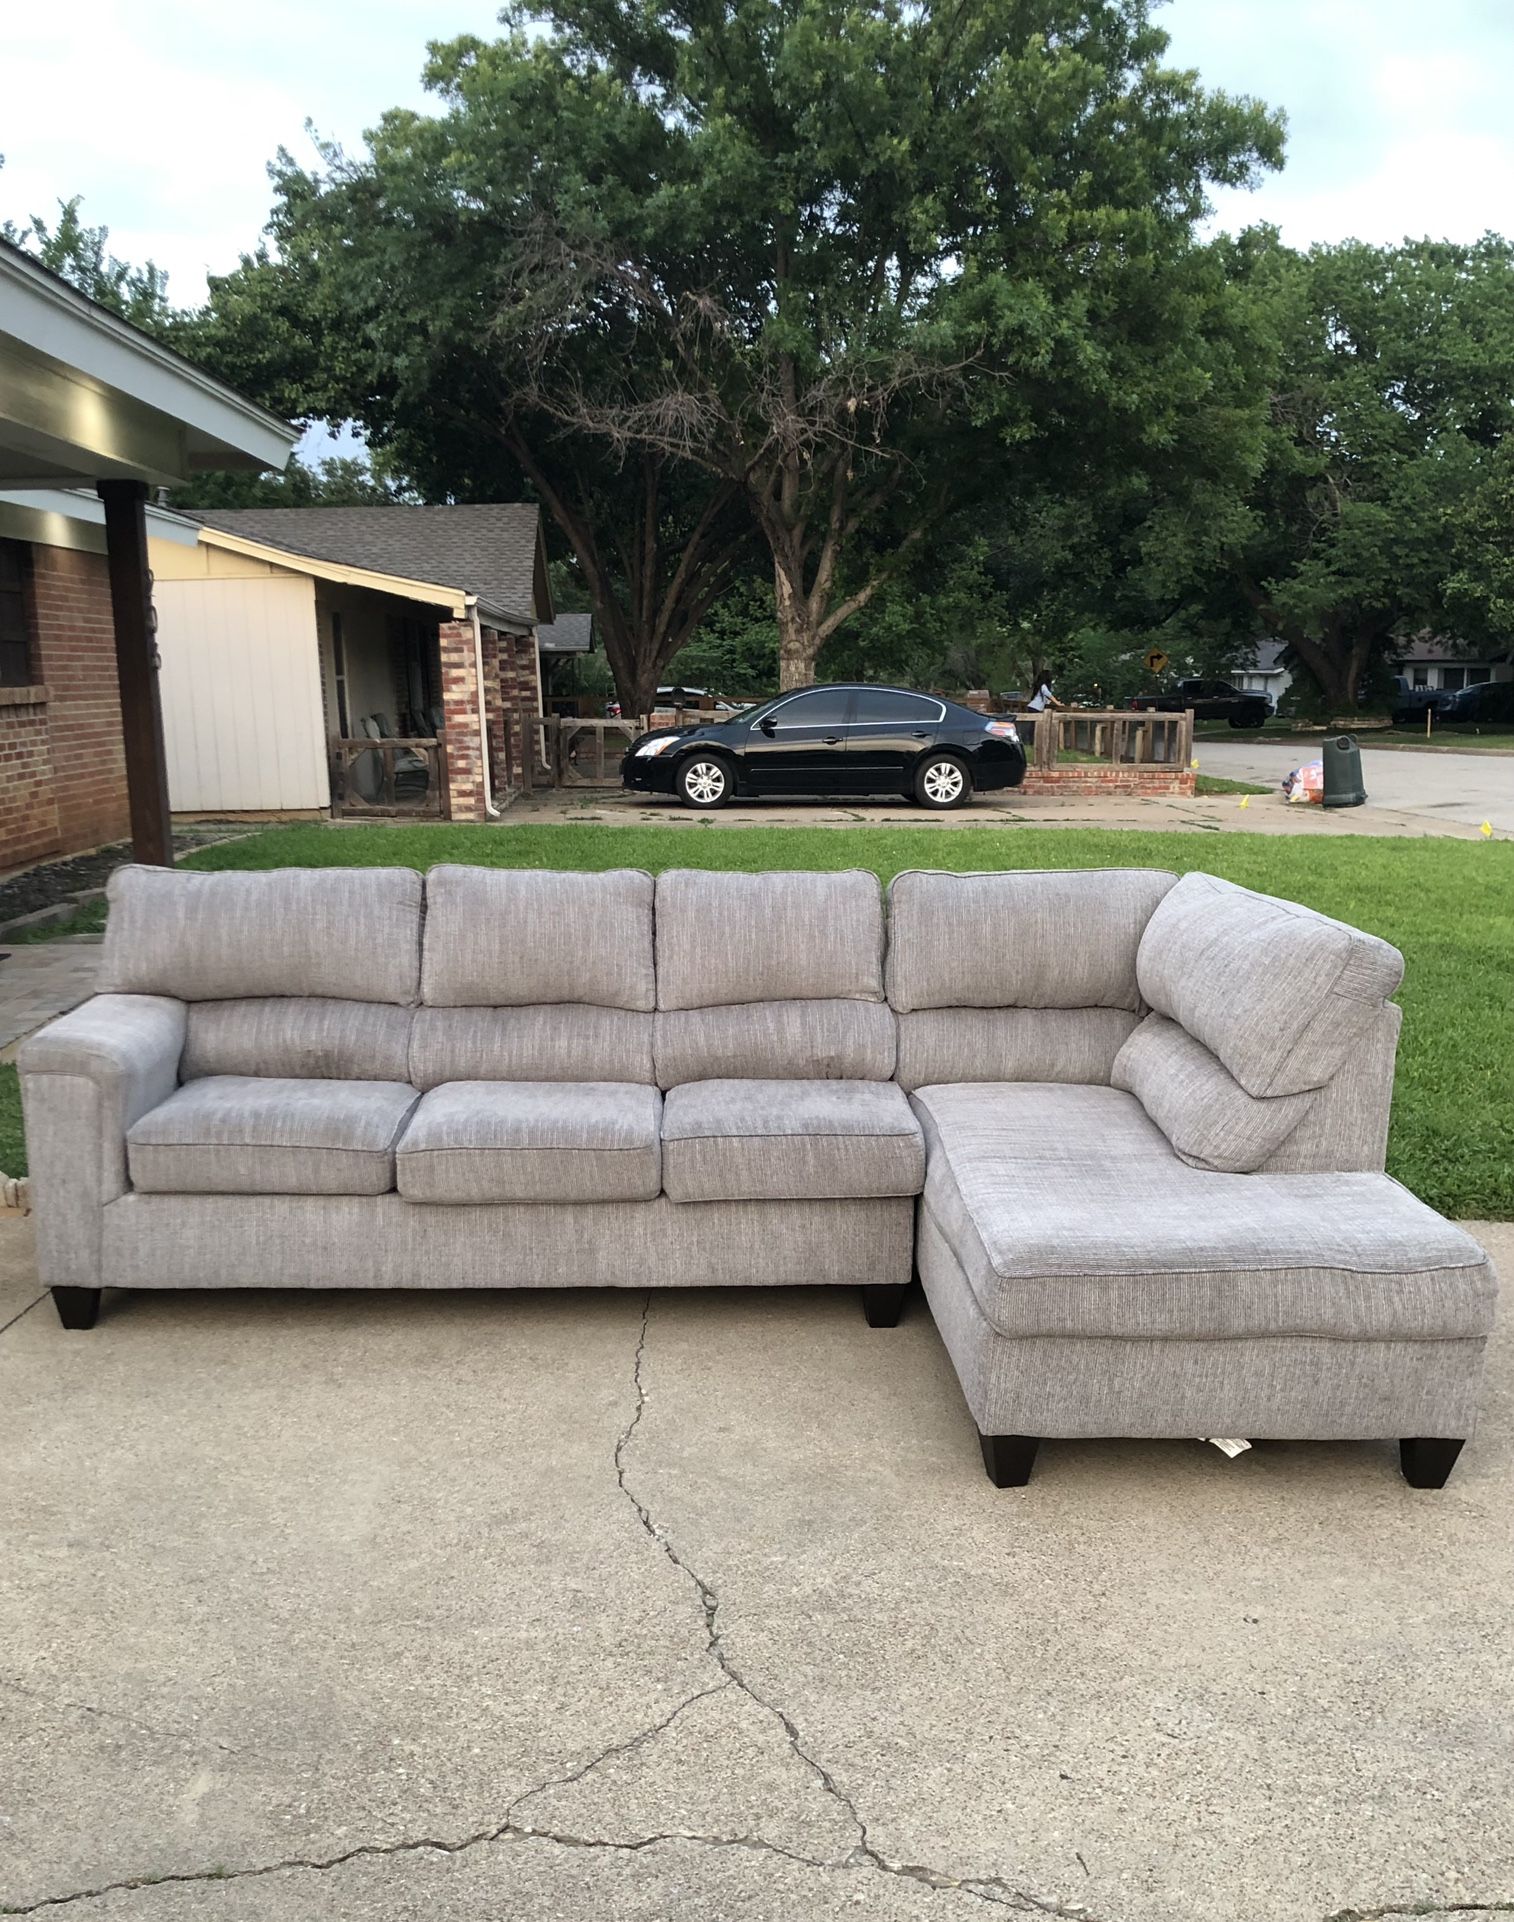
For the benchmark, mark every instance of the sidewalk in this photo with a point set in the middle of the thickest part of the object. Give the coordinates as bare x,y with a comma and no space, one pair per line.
42,980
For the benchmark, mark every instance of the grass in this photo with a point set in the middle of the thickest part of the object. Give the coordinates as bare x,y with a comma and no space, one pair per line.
12,1140
1449,905
1213,784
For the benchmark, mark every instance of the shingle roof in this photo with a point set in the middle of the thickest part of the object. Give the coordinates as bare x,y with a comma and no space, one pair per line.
568,634
492,551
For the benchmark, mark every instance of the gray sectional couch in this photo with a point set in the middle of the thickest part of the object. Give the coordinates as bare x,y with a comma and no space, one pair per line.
1128,1129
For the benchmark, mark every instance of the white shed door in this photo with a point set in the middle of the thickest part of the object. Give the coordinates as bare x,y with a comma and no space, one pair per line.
241,686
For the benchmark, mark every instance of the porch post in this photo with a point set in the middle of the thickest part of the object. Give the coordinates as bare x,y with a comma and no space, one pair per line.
137,670
465,750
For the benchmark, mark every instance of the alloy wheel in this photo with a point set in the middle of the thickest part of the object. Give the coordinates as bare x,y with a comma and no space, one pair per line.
704,783
943,783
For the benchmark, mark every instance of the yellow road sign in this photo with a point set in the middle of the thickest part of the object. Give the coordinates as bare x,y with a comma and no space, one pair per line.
1156,660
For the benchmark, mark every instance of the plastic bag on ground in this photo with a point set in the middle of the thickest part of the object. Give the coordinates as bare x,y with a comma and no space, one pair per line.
1305,785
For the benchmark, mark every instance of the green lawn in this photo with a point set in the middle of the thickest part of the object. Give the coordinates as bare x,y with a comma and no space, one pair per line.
1448,904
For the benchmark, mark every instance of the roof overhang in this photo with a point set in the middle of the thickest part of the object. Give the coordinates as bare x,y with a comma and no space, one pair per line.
457,600
61,517
85,396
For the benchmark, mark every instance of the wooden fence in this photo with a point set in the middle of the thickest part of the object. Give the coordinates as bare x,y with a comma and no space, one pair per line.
389,776
584,753
1111,735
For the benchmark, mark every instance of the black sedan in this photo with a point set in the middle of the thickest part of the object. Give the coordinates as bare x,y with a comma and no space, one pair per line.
832,740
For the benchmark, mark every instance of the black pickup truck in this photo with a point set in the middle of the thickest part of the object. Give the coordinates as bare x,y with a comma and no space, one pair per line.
1210,701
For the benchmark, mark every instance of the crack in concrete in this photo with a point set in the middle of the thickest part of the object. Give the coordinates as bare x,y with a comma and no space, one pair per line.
863,1857
22,1313
115,1715
864,1854
1421,1908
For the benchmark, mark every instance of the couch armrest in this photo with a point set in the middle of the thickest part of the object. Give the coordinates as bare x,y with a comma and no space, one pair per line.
84,1080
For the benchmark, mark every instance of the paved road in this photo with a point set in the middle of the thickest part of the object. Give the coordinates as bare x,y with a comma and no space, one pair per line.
1449,787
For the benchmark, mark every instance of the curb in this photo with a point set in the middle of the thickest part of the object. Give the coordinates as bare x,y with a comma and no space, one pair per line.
56,911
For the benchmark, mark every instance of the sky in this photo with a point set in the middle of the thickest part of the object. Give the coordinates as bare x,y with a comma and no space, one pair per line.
164,114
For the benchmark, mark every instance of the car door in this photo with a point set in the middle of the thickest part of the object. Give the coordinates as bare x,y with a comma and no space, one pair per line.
889,731
799,746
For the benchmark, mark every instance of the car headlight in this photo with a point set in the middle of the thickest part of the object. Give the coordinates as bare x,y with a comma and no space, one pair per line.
1006,730
655,747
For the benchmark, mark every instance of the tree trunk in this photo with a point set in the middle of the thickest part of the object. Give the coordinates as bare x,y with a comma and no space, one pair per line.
798,643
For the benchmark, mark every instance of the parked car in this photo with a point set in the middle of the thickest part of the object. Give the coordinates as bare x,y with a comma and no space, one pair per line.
832,740
1484,701
1411,704
1210,701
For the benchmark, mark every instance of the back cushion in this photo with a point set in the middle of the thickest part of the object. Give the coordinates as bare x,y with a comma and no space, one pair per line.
1199,1105
1279,994
531,975
300,1037
1026,976
771,977
351,934
514,938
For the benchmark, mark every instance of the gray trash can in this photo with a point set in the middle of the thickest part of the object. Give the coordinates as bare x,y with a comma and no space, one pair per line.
1343,772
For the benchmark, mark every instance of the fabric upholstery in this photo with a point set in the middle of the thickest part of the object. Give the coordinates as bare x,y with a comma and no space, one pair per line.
1019,940
566,1042
1010,1044
776,1040
298,1037
727,939
1282,995
236,1241
789,1140
1295,1387
1070,1216
84,1080
1199,1105
483,1141
1346,1126
353,934
251,1135
507,937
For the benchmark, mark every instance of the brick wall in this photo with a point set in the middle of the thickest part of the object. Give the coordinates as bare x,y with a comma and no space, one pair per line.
62,768
465,768
1085,778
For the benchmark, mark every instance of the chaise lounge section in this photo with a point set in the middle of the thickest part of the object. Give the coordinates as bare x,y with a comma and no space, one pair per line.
1129,1129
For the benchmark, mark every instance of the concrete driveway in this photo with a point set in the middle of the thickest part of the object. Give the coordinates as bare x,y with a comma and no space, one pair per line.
1440,784
487,1608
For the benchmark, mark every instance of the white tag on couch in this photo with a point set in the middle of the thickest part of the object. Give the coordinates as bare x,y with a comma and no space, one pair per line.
1226,1446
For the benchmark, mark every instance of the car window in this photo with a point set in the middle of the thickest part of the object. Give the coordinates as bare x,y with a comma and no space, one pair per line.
826,707
883,704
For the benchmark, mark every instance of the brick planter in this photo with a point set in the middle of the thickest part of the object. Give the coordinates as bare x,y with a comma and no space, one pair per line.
1084,779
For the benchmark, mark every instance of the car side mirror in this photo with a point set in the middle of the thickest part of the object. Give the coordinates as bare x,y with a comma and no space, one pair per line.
768,725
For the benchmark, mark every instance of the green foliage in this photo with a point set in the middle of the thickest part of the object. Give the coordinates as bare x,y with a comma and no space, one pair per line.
12,1135
338,481
82,256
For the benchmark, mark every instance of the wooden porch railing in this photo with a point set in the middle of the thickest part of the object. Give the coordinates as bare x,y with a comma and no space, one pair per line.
585,753
396,775
1115,735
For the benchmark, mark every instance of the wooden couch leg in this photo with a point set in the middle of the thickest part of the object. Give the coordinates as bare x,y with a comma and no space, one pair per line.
1009,1458
77,1307
1426,1461
883,1302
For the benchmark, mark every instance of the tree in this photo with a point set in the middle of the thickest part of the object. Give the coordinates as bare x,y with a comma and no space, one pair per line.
1385,465
82,256
884,255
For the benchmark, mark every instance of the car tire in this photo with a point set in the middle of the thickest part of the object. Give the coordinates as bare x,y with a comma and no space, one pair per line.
704,782
942,781
1248,717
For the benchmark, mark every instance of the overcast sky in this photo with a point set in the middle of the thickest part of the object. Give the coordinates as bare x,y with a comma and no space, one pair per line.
164,113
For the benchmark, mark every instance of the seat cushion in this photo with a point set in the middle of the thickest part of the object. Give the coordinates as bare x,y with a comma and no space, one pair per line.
491,1141
1070,1214
232,1134
789,1141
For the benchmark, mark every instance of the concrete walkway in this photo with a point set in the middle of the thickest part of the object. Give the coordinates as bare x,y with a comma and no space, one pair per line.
43,980
502,1608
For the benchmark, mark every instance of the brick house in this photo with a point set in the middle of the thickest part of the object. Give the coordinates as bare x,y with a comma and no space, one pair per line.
358,659
88,402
